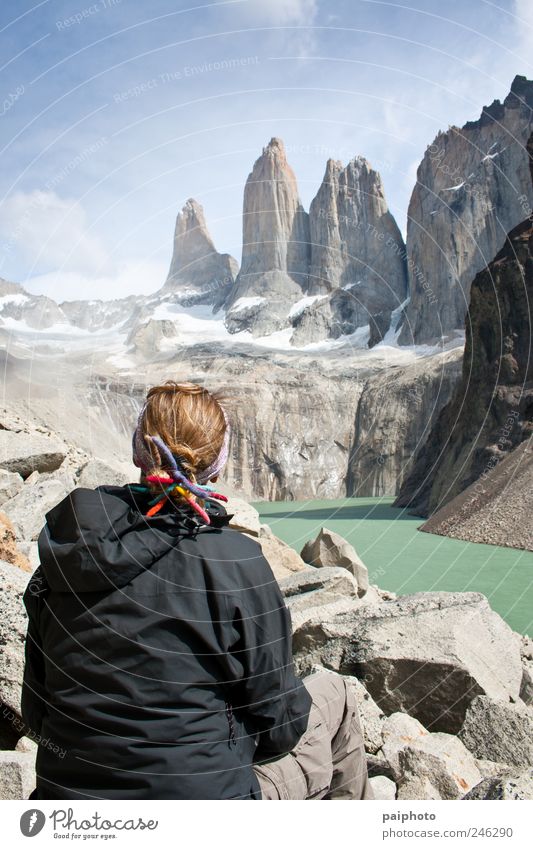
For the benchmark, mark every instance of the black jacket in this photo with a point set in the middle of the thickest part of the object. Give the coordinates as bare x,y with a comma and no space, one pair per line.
158,654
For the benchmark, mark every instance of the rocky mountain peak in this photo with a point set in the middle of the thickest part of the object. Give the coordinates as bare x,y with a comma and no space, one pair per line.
275,149
196,267
472,187
275,254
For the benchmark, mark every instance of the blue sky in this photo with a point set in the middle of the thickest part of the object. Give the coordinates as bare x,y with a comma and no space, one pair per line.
115,112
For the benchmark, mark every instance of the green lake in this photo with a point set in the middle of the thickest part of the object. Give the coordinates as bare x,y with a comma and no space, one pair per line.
402,559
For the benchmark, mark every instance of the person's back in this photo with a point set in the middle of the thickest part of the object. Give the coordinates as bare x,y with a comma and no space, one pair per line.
136,640
158,657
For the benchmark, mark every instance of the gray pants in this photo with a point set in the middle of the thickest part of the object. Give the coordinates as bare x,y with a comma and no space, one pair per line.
329,760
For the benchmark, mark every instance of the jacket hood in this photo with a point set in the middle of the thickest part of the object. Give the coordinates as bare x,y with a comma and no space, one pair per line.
100,539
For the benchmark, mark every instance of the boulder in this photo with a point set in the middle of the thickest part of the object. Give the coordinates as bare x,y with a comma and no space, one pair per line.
17,775
283,559
97,473
27,452
9,550
30,550
426,775
330,549
499,732
10,484
244,517
427,654
526,687
309,612
378,765
383,788
13,624
515,784
26,744
492,769
436,766
28,509
399,730
370,714
331,579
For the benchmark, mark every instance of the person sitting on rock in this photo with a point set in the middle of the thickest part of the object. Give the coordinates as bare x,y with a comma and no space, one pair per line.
158,654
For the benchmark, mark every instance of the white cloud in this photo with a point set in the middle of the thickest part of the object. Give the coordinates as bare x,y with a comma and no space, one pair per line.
130,278
524,26
278,12
46,231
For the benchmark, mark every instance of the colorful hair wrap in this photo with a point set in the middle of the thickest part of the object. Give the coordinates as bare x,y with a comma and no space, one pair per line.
175,479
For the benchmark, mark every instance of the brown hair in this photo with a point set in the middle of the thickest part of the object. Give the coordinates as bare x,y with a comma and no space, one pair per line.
189,419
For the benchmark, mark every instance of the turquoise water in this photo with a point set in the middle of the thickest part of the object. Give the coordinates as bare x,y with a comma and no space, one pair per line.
405,560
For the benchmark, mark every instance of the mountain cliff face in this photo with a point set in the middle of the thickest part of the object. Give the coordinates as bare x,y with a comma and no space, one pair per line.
491,411
275,254
357,254
196,268
472,188
394,417
302,427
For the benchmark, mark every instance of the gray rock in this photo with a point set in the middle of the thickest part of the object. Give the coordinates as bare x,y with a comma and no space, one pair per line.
515,784
398,731
30,551
378,765
526,687
10,484
308,614
492,769
28,509
383,788
245,517
499,732
428,654
152,336
97,473
284,560
370,714
438,766
13,625
17,775
27,452
330,549
26,744
33,478
330,578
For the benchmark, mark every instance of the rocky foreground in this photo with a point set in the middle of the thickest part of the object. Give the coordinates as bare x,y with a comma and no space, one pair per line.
444,686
